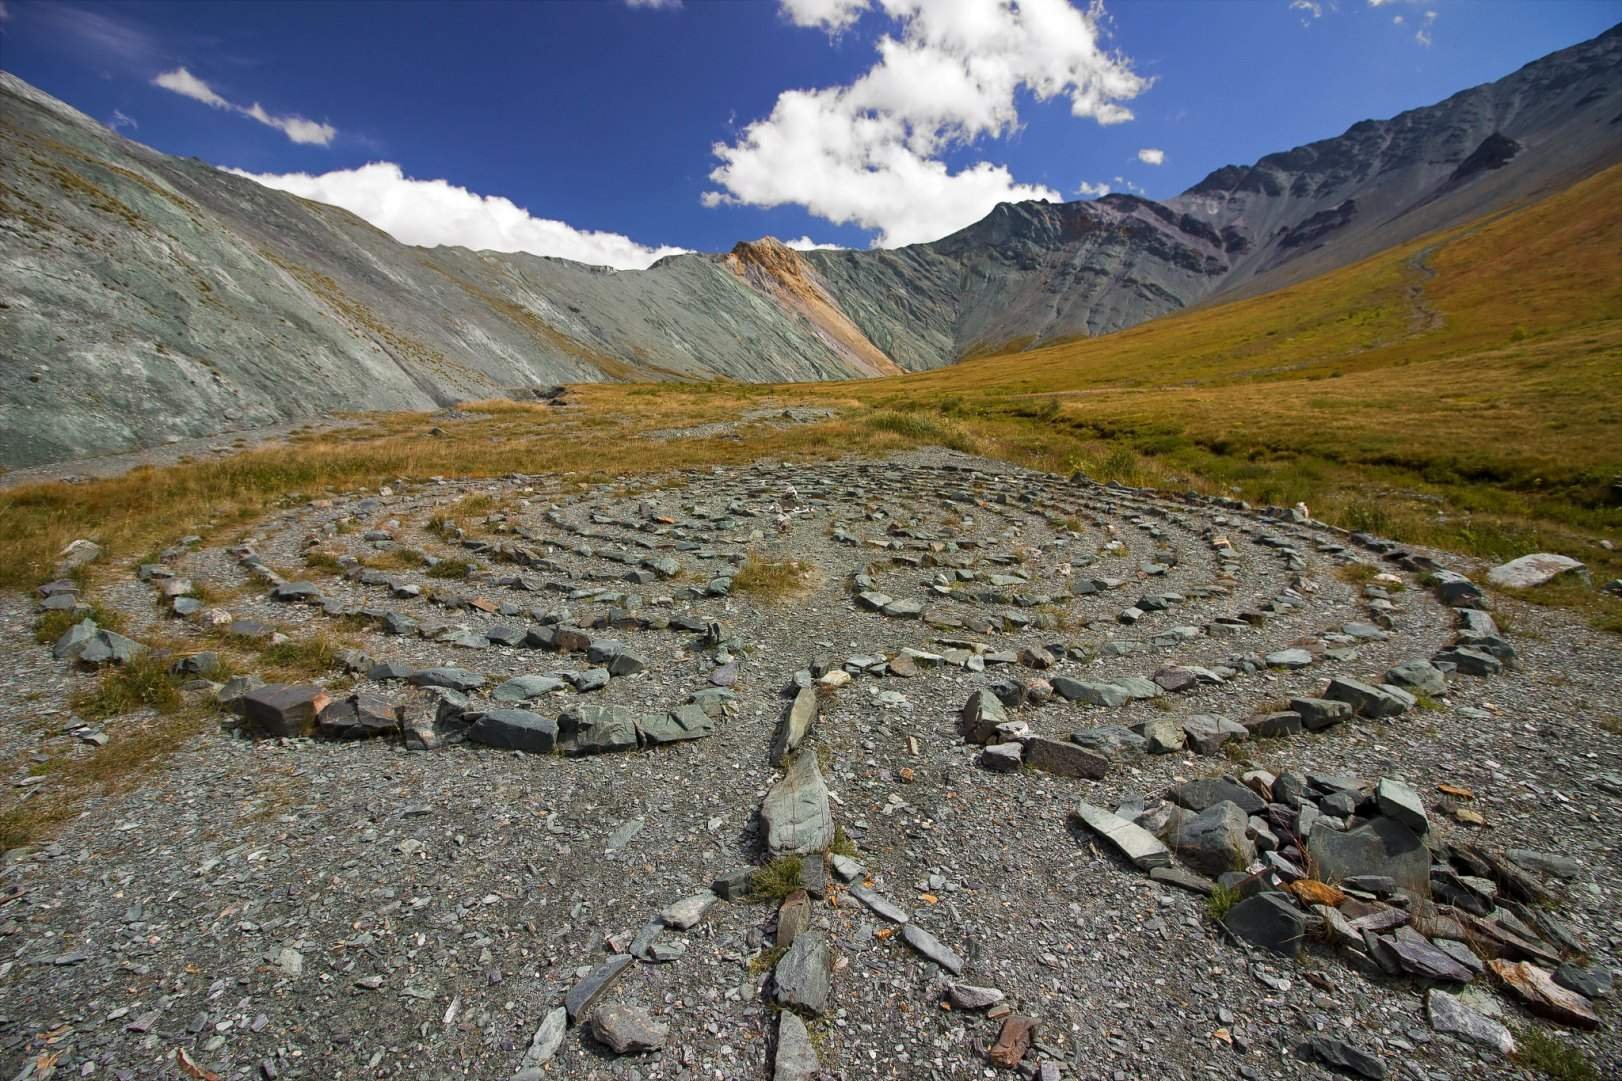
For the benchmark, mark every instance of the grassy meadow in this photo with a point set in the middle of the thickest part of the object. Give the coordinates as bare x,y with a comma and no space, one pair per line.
1462,391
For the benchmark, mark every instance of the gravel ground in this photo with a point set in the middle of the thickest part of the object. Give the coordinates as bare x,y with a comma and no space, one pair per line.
317,909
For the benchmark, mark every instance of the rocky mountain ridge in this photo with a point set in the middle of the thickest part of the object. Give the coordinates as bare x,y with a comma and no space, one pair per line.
152,297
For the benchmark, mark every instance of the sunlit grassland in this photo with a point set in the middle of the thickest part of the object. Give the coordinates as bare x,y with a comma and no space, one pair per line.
1460,390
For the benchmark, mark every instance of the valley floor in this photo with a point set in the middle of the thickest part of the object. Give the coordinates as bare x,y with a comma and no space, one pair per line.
323,908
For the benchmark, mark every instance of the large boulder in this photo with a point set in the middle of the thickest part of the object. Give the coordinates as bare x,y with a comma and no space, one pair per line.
1381,846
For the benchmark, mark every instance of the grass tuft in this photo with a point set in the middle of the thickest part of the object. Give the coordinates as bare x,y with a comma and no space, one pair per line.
53,625
143,683
300,658
450,568
777,879
772,579
1222,898
1552,1057
842,844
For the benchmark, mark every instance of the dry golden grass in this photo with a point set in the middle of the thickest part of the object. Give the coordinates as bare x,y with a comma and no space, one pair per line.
773,579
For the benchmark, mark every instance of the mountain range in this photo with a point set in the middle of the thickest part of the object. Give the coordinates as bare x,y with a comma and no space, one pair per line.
144,296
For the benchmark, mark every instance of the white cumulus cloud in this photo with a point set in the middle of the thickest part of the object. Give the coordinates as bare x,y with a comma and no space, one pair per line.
1152,156
296,128
872,152
1092,191
831,15
434,212
119,120
805,243
664,5
1309,9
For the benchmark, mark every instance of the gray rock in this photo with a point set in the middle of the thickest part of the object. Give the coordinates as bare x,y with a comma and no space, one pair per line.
802,978
1340,1055
796,1059
1289,659
965,996
1418,675
1590,982
1183,880
981,714
1366,700
1319,713
543,1045
281,710
358,717
586,991
1416,956
796,724
846,868
1533,570
1091,694
1215,840
1400,802
524,688
1065,759
1207,732
1132,841
1268,920
1451,1016
680,724
74,640
879,904
932,948
735,884
1114,740
592,729
795,811
688,911
1471,661
1382,846
456,679
1003,757
1205,792
108,647
1164,735
516,730
626,1030
1277,724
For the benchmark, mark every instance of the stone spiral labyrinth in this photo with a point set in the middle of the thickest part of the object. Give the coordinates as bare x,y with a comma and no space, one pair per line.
931,705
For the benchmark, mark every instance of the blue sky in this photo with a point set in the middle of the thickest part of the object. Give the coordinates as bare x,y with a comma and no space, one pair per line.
628,129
